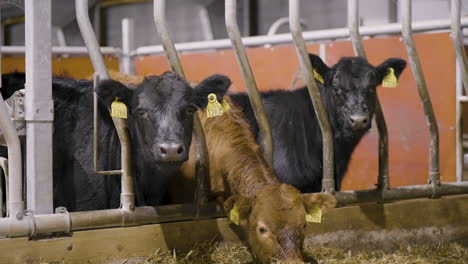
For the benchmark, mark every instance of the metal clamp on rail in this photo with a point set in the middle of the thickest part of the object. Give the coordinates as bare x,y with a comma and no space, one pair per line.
63,210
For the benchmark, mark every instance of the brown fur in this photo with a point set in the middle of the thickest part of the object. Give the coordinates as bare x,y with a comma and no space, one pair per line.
129,80
239,172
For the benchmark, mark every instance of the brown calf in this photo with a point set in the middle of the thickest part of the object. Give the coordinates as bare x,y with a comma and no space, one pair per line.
271,215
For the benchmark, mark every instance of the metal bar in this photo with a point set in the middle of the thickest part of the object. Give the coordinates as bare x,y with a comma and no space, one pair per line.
383,181
316,35
39,106
458,123
89,38
72,50
15,203
434,172
128,44
202,161
249,79
33,225
400,193
328,181
457,39
127,196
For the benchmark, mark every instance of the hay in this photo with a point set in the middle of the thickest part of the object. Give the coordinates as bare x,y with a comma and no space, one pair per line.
221,253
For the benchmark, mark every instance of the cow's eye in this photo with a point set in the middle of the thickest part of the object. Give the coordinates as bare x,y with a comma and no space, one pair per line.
191,109
262,230
141,112
305,225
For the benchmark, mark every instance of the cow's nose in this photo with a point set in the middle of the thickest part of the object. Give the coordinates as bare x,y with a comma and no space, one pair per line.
358,121
171,151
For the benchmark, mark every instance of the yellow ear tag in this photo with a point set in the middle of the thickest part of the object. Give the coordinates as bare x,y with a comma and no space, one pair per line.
213,108
118,109
225,105
314,215
390,80
318,76
234,215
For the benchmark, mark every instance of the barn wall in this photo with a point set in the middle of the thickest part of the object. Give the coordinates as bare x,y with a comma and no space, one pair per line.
274,68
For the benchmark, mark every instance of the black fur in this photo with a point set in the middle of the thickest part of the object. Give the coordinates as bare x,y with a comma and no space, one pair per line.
350,87
161,108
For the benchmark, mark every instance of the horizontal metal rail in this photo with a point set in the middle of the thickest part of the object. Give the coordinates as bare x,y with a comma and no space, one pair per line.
64,222
401,193
72,50
329,34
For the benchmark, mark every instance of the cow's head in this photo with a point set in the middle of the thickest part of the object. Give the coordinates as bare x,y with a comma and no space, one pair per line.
161,110
274,220
351,85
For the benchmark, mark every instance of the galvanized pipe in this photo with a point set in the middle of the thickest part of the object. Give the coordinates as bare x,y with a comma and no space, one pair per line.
316,35
383,181
457,39
15,170
401,193
202,161
33,225
458,124
128,44
71,50
127,196
249,80
39,106
328,181
434,172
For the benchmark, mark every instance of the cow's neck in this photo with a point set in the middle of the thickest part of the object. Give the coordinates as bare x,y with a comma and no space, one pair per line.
235,155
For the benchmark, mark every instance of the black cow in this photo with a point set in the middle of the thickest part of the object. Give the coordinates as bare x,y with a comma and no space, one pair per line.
160,122
349,95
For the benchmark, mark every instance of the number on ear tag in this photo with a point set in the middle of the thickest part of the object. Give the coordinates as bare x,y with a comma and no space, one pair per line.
318,77
234,215
213,108
314,215
118,109
390,80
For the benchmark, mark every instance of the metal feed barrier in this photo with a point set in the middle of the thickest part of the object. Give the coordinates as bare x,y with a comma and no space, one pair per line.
21,223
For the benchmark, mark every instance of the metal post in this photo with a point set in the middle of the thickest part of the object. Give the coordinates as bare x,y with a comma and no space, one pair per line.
128,45
249,80
39,107
434,173
202,162
457,39
383,181
328,181
127,195
458,123
14,192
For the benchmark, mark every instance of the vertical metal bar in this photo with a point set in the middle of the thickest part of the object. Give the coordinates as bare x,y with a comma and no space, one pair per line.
328,181
39,106
128,45
249,80
126,195
15,201
457,39
434,173
458,123
202,162
383,181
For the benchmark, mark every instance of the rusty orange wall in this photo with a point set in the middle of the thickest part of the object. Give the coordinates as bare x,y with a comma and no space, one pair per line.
408,134
74,67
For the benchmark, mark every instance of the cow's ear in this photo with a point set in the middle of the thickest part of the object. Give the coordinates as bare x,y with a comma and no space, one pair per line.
109,90
398,65
237,208
319,66
217,84
322,200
